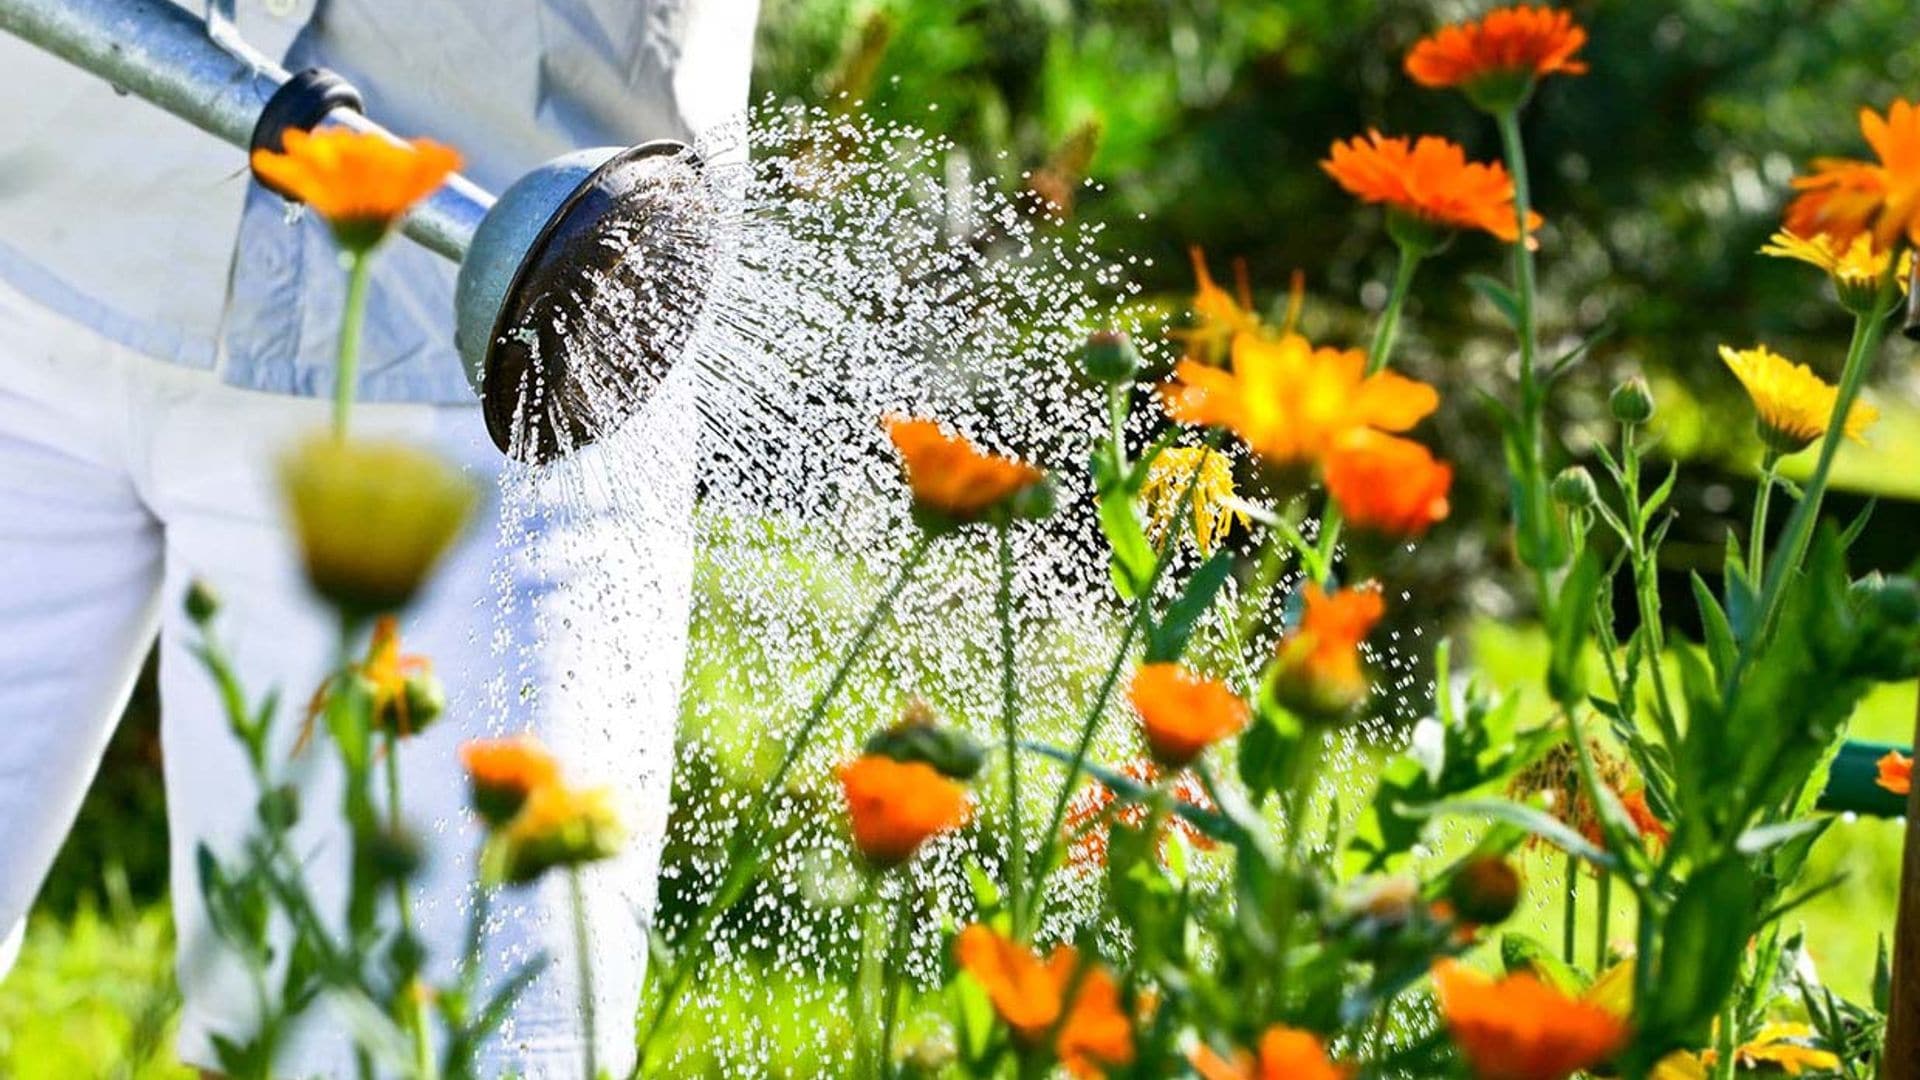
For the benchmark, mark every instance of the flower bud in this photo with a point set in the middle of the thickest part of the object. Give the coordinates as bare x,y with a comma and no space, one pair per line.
1574,488
1110,357
955,754
424,699
1632,401
202,602
395,855
557,826
1485,890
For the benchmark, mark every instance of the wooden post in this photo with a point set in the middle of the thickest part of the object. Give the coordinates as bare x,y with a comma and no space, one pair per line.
1901,1059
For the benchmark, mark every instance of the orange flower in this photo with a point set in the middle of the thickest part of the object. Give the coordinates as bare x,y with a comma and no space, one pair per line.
1430,180
1087,846
1388,484
1292,402
1218,317
1029,995
1181,713
1317,671
1497,58
503,772
558,825
952,479
1519,1028
1285,1054
1846,197
896,805
1896,773
360,182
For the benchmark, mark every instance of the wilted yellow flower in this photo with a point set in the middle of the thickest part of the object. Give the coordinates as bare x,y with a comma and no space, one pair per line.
1792,402
1213,494
372,518
1218,317
1856,268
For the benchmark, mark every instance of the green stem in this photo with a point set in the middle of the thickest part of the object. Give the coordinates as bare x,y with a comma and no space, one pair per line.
1378,355
583,953
891,1004
1570,923
1136,619
864,994
1532,513
1603,919
1009,708
414,1005
1757,535
352,317
733,877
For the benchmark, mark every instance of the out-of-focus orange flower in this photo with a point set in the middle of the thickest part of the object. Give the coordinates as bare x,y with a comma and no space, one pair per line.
1285,1054
952,479
1292,402
1519,1028
558,825
1029,994
406,696
1087,847
1388,484
503,772
360,182
1218,317
896,805
1317,671
1428,179
1181,714
1896,772
1497,57
1846,197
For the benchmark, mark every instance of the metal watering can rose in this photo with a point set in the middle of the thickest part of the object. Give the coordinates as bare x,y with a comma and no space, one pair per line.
559,240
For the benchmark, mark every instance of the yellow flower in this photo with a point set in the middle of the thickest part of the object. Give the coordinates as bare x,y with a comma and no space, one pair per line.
1781,1044
1213,494
558,825
1793,403
372,518
1856,268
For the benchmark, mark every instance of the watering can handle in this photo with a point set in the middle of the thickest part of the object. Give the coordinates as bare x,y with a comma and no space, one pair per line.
165,54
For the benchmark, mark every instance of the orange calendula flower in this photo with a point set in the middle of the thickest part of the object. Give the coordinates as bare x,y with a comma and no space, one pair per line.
951,480
1087,836
1388,484
1497,58
1429,180
360,182
1285,1054
1029,994
1896,772
1292,402
1317,672
503,772
1218,317
896,805
1519,1028
1846,197
1181,714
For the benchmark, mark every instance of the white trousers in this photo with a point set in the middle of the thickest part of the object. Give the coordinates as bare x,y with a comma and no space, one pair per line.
123,479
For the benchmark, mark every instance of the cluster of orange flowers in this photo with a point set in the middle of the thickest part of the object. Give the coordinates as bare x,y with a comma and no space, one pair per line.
1089,1033
536,821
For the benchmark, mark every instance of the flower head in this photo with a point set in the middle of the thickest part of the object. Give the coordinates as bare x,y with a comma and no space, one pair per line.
1181,714
372,518
502,773
1218,317
1317,671
952,482
360,182
896,805
1846,197
1212,500
1497,58
1029,994
559,825
1857,268
1429,180
1291,402
1285,1054
1519,1028
1793,404
1388,484
406,695
1087,844
1895,772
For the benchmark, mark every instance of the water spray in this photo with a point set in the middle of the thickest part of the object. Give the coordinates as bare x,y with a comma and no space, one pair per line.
528,261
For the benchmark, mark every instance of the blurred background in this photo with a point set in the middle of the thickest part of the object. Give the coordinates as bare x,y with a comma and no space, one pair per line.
1201,123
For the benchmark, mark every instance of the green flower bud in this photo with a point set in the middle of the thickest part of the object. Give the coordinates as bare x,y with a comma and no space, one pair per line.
955,754
202,602
1574,488
1632,401
1110,357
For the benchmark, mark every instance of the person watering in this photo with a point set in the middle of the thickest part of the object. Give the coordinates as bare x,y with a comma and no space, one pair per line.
170,330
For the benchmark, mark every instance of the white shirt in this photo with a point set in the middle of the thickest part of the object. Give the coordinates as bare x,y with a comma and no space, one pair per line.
141,226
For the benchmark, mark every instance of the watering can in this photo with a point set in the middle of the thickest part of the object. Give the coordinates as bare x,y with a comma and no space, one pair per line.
527,259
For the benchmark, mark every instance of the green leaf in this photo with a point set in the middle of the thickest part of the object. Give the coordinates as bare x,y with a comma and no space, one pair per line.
1522,953
1572,621
1531,819
1169,639
1495,292
1722,649
1764,837
1700,949
1133,556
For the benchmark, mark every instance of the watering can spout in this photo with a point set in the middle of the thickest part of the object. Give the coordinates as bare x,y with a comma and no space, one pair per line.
614,218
